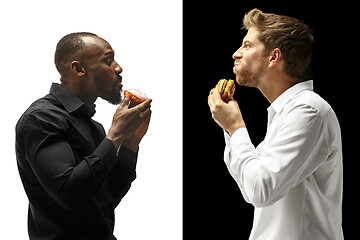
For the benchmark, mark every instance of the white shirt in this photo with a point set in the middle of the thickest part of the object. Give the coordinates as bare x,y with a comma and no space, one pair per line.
294,178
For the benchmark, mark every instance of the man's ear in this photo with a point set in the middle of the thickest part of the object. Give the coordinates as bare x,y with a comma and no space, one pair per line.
77,68
275,57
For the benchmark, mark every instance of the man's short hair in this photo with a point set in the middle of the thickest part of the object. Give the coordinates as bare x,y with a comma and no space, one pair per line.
69,49
291,36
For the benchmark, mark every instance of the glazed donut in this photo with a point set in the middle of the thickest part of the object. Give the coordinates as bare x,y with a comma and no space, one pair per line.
226,89
136,96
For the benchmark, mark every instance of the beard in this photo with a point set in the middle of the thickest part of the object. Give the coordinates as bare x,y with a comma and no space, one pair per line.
250,75
114,96
245,77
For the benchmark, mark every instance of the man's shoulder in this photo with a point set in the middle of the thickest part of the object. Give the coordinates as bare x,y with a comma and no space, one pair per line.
312,100
47,107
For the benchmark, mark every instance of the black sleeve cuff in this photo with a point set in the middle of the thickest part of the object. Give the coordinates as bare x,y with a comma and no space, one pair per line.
126,163
105,153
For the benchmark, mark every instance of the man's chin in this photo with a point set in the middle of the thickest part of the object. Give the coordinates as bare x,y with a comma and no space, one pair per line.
114,98
246,81
240,80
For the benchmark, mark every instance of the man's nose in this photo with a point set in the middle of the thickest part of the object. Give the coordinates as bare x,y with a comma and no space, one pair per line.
118,69
238,54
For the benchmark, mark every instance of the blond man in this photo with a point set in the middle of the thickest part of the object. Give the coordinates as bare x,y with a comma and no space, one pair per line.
294,177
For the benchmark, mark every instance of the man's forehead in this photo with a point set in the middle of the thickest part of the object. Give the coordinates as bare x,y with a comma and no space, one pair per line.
95,43
252,35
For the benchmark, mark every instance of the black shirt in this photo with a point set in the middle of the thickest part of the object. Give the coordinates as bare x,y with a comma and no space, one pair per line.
73,176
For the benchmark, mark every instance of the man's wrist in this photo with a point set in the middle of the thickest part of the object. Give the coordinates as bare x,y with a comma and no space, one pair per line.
236,127
116,141
132,144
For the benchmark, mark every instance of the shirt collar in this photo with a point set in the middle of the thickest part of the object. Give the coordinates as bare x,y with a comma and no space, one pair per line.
286,96
70,102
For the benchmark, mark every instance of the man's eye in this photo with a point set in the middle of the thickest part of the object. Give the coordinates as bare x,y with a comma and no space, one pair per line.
109,61
247,46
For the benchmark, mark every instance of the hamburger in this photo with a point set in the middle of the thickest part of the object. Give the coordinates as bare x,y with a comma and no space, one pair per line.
226,88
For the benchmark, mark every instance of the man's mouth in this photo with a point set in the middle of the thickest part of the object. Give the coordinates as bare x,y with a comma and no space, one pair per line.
119,78
118,81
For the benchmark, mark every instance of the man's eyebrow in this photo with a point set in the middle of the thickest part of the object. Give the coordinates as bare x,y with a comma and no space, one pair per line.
110,52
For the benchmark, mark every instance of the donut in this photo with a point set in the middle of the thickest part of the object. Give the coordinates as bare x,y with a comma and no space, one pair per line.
136,96
226,89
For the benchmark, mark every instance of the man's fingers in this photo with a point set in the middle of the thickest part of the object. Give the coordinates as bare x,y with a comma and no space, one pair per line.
146,115
215,95
214,98
125,101
211,98
143,106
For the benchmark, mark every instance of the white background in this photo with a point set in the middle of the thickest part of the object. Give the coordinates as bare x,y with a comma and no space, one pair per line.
147,39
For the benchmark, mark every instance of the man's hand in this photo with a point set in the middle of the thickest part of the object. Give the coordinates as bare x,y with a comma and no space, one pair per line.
133,142
130,124
226,115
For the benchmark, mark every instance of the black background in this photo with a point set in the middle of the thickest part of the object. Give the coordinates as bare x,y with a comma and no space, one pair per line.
213,204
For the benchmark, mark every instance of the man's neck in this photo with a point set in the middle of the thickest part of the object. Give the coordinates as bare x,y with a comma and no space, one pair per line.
80,92
273,88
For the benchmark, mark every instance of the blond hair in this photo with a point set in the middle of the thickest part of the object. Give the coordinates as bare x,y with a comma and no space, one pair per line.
291,36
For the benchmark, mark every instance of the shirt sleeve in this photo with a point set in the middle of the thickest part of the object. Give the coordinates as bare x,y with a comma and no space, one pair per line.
123,173
267,173
53,161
